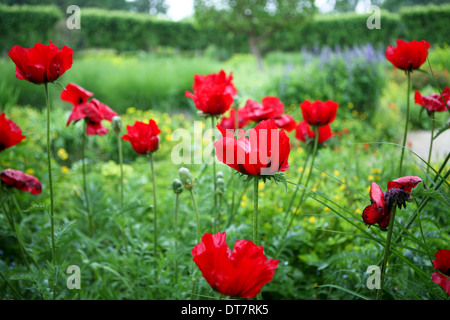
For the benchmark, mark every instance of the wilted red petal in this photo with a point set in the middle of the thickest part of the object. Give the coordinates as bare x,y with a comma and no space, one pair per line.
434,102
10,133
75,94
21,181
304,133
286,122
405,183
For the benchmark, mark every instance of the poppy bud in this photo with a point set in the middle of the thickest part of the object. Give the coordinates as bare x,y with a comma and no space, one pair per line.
117,124
220,186
186,178
219,174
177,186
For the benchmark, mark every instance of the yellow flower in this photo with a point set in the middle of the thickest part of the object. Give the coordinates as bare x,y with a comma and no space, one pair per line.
326,209
370,177
337,198
323,175
358,211
312,219
64,169
261,185
29,171
62,154
376,171
243,204
336,172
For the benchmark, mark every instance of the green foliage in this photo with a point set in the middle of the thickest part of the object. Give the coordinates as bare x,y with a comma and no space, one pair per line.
26,25
427,22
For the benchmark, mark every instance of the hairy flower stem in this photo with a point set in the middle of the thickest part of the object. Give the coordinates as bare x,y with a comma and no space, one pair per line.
155,225
85,186
119,143
386,252
196,215
255,218
431,141
176,237
405,134
294,213
214,166
50,182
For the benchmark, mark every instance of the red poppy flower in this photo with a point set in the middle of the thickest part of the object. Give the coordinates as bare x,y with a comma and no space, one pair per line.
442,263
10,133
434,102
143,137
270,108
92,111
238,273
213,93
21,181
408,55
397,194
41,63
304,133
265,153
230,121
285,122
319,113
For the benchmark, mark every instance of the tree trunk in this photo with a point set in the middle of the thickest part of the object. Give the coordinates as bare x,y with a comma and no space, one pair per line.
253,42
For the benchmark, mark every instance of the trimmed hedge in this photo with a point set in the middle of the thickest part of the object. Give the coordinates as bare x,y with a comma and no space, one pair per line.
128,31
430,23
25,25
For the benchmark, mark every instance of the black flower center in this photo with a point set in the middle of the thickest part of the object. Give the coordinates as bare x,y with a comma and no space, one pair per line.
397,197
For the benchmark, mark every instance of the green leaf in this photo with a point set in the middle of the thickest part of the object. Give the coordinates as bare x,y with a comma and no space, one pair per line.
421,191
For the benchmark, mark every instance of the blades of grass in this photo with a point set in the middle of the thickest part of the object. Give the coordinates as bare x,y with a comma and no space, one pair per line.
345,290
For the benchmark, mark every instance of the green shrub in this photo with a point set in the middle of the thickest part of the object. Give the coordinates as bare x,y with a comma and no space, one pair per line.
26,25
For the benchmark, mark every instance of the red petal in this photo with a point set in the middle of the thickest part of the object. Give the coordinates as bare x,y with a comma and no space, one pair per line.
405,183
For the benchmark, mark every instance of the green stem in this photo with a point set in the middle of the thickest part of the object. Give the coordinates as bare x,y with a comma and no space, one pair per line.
256,239
431,141
85,185
405,134
196,215
294,213
176,236
17,293
155,230
386,252
119,142
50,181
214,167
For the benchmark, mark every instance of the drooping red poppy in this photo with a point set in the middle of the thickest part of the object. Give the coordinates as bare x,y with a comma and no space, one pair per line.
264,152
213,93
230,121
92,111
408,55
434,102
41,63
397,194
304,133
319,113
269,108
442,264
143,137
238,273
10,133
22,181
285,122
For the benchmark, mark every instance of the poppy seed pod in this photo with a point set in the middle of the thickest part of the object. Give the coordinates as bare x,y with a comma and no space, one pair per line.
177,186
186,178
117,124
219,174
220,186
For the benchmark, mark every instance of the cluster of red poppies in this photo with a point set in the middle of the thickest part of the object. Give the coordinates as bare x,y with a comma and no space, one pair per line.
263,151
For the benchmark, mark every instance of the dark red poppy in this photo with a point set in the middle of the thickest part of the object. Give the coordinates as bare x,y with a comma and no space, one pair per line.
92,111
269,108
408,55
434,102
230,121
285,122
397,194
213,93
21,181
41,63
304,133
319,113
143,137
265,152
238,273
10,133
442,264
